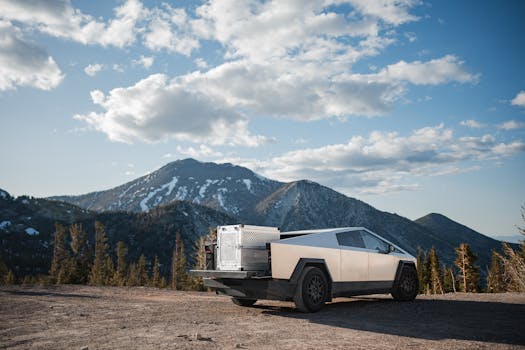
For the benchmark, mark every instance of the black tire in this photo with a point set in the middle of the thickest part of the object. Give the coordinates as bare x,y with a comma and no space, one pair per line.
244,302
312,290
407,287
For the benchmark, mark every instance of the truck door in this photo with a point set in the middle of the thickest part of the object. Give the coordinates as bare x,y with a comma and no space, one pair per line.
382,265
353,257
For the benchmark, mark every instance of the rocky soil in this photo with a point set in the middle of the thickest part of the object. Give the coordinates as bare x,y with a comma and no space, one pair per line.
82,317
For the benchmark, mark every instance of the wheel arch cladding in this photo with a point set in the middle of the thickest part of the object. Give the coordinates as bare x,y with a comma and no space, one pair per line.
400,266
319,263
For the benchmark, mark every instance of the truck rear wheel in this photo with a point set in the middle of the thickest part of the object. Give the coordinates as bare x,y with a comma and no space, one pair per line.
312,290
408,285
244,302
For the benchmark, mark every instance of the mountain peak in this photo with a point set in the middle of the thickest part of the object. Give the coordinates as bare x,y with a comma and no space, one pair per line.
225,187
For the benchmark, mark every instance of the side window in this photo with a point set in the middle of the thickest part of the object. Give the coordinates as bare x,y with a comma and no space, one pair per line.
350,239
373,243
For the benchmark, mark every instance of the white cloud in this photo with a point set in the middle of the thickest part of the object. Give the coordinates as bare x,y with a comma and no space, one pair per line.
199,62
147,62
511,125
411,37
391,11
202,151
386,161
93,69
437,71
287,59
169,29
23,63
155,109
471,123
58,18
519,100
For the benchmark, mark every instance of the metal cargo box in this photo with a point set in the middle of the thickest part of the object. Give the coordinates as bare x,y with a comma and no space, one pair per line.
243,247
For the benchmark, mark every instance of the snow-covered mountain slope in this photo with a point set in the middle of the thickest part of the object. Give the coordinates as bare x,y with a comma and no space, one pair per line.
225,187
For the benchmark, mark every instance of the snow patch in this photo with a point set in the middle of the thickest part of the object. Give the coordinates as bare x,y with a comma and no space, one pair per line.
170,186
181,194
5,224
204,187
31,231
248,184
185,214
25,201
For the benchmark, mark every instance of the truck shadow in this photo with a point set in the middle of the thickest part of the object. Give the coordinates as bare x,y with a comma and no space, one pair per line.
427,319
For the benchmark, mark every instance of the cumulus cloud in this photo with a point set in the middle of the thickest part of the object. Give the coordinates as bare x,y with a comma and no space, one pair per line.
511,125
23,63
471,123
58,18
146,61
93,69
382,161
155,109
169,29
519,100
288,59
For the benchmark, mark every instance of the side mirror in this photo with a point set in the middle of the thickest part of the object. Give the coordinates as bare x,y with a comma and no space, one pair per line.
391,248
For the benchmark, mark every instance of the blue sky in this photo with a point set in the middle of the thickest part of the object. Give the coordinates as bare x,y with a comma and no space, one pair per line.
411,106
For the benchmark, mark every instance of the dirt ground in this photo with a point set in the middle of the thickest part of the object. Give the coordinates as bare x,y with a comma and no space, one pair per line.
81,317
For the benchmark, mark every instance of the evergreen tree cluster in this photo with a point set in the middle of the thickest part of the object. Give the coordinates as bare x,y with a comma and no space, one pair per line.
75,261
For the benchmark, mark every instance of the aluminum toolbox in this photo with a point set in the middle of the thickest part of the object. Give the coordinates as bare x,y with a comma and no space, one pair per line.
243,247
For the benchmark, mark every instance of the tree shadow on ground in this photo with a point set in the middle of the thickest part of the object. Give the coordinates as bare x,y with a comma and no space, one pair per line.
426,319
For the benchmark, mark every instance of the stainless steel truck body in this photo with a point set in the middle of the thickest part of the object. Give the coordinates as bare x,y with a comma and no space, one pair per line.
308,267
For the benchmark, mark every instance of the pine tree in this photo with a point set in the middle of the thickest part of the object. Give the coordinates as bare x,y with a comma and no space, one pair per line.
110,271
427,282
102,265
514,263
200,263
495,280
514,269
80,254
212,236
155,280
122,268
469,273
60,263
449,280
178,265
4,272
143,271
420,269
132,279
436,283
10,278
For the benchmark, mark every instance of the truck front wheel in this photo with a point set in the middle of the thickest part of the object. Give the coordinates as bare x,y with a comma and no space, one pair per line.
312,290
407,286
244,302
